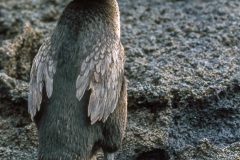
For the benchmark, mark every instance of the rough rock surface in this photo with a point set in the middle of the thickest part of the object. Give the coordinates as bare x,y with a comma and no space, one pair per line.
183,66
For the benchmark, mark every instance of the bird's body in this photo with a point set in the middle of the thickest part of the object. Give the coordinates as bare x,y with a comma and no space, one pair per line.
77,95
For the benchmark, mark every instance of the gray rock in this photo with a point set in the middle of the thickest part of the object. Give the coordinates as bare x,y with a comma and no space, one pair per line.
12,89
183,66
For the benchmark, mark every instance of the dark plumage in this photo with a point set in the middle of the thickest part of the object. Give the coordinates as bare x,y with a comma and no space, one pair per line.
77,92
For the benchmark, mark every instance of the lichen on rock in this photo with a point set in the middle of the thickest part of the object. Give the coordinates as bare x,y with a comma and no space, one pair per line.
17,55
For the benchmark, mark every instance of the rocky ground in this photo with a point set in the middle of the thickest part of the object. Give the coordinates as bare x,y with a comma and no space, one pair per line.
183,67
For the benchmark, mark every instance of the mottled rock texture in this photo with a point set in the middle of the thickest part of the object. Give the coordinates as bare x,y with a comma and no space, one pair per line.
183,67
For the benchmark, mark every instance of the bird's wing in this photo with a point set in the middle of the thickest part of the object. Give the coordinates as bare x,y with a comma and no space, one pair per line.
43,69
102,73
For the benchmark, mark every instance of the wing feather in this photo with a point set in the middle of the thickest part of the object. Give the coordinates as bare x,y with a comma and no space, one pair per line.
42,71
82,81
103,75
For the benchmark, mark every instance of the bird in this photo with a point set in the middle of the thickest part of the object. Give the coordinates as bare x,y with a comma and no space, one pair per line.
77,90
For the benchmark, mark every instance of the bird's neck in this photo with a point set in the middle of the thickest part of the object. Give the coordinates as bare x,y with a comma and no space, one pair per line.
109,8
